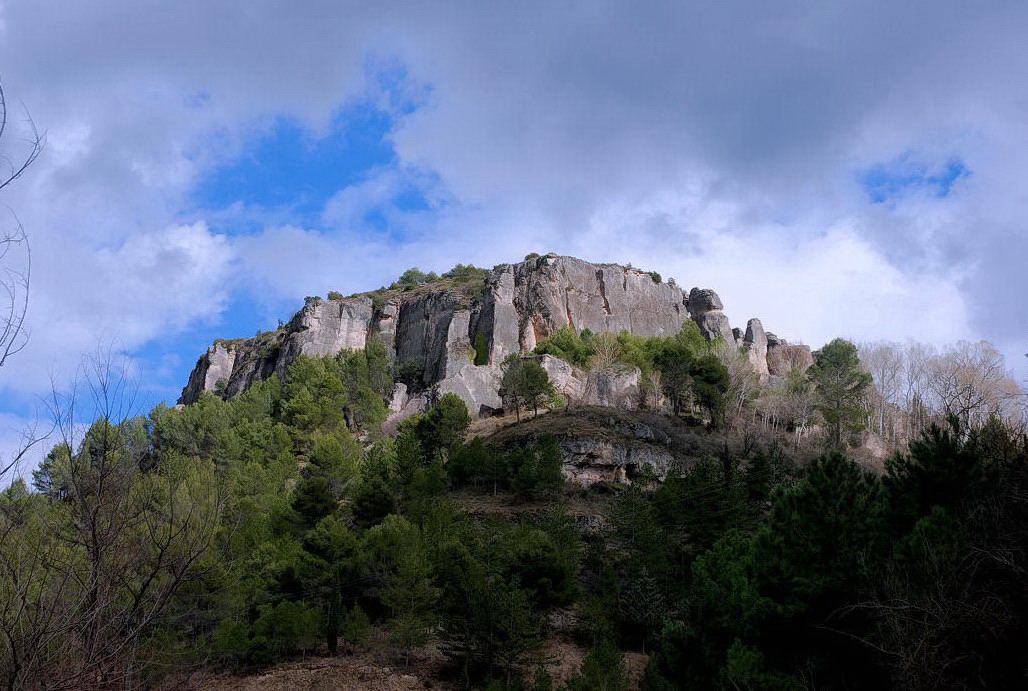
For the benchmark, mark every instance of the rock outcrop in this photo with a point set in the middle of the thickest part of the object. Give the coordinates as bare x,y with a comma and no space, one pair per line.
706,310
755,343
783,358
435,334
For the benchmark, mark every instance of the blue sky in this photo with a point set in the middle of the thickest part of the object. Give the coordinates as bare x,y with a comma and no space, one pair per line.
904,175
207,168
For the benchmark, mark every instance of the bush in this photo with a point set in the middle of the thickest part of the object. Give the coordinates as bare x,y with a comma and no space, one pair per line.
466,272
655,276
481,349
414,277
335,295
602,670
569,345
355,627
285,628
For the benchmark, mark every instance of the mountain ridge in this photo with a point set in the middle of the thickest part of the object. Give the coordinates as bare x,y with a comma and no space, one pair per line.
450,336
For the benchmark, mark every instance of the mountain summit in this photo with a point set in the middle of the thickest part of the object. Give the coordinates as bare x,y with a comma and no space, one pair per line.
451,334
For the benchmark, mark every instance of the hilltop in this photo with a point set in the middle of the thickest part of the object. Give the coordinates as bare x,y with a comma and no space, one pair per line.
451,334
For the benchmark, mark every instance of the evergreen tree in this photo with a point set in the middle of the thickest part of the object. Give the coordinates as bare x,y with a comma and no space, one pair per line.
442,429
329,571
940,469
313,500
524,384
710,383
602,670
841,383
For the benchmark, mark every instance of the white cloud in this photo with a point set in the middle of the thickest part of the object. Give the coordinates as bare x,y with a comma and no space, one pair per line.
716,143
151,284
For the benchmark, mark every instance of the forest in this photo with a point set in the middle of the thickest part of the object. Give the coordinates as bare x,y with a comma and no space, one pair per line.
231,536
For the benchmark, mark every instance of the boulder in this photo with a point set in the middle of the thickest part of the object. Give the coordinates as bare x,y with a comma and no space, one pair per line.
783,359
705,308
476,385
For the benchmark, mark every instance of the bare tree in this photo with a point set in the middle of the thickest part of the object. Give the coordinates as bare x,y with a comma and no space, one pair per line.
970,381
884,361
916,395
743,382
15,252
603,367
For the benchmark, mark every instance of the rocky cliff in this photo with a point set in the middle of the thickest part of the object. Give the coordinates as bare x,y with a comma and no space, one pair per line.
437,333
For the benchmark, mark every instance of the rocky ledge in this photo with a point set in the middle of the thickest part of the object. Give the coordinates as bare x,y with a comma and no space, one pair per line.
437,334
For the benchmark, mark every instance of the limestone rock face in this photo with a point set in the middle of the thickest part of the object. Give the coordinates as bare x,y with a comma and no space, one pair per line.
436,335
589,460
784,358
617,388
477,386
755,343
705,308
324,327
217,367
567,380
528,302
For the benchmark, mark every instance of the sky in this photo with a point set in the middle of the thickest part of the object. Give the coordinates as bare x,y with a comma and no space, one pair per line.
850,169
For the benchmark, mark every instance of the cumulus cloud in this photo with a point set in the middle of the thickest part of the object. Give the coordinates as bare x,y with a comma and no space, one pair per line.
723,144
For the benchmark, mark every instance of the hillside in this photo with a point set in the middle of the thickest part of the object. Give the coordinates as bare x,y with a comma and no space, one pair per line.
636,506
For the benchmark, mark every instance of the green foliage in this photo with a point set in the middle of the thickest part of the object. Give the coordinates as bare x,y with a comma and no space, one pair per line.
941,469
710,383
537,468
315,397
379,299
568,345
230,642
602,670
282,630
356,627
468,462
524,384
655,276
260,528
409,371
414,277
531,255
442,428
313,500
841,383
374,500
463,273
400,558
496,628
481,349
541,567
335,295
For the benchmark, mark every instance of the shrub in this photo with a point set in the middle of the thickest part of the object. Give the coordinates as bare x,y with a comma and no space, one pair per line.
468,272
335,295
569,345
481,349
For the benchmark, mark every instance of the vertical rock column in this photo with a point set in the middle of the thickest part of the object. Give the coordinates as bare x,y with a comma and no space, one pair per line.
705,308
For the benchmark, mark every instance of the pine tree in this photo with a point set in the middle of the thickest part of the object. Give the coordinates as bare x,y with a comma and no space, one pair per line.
841,383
